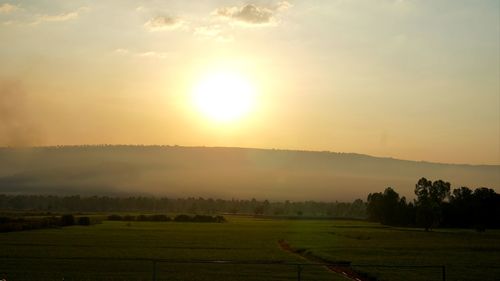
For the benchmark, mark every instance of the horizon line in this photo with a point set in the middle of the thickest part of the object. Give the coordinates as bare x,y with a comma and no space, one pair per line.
239,147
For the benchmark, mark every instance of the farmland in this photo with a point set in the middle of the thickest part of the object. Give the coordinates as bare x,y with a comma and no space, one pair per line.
117,250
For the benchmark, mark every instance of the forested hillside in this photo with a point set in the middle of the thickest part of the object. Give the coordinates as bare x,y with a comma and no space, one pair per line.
226,173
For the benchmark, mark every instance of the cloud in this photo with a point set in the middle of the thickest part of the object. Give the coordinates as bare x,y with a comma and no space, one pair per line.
60,17
160,23
6,8
249,14
214,31
219,25
122,51
283,6
148,54
208,30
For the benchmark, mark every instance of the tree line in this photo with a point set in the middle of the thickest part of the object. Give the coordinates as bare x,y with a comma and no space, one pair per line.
436,205
16,223
164,218
191,205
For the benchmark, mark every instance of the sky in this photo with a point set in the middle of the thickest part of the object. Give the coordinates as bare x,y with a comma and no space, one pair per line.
416,80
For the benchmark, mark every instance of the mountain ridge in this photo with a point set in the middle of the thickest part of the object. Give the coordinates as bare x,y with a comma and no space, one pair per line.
245,148
223,172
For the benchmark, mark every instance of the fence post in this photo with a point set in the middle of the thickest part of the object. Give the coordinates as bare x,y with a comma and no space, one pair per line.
443,270
154,270
299,272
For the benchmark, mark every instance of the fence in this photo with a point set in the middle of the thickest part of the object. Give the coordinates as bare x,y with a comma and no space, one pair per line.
297,268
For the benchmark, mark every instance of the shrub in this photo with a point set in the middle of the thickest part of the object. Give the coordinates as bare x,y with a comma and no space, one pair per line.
159,218
67,220
199,218
83,221
220,219
128,218
182,218
8,224
114,217
142,218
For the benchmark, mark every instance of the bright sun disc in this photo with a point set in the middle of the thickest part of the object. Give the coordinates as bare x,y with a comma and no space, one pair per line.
224,96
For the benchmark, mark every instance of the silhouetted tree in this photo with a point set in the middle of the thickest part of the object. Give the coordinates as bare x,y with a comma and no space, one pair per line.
430,199
486,206
479,208
458,212
388,208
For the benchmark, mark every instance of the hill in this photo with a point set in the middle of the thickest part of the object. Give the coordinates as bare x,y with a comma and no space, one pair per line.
222,172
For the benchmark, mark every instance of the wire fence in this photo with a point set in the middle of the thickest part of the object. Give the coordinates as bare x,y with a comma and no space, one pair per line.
147,269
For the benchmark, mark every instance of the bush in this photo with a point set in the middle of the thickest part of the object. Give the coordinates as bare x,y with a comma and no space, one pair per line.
83,221
19,224
142,218
159,218
67,220
128,218
114,217
182,218
199,218
49,222
220,219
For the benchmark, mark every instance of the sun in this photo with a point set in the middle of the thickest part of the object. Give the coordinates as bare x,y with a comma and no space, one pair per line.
224,96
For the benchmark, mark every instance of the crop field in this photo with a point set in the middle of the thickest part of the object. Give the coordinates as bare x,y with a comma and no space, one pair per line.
117,250
466,254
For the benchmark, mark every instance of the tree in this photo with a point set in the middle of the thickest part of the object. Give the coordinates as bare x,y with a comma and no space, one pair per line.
458,212
374,207
486,208
430,199
388,208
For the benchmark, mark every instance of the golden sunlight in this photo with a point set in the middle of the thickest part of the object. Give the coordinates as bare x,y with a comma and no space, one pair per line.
224,96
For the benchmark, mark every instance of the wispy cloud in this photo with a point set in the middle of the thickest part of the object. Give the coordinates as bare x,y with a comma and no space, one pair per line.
208,30
283,6
61,17
148,54
7,8
213,31
251,14
160,23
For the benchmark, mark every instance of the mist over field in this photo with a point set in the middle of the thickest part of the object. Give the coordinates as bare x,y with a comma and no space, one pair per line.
241,173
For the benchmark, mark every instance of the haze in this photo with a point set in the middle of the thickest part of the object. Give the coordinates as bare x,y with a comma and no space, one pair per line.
221,172
415,80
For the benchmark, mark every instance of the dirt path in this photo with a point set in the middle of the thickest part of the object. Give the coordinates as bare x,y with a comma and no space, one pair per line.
344,270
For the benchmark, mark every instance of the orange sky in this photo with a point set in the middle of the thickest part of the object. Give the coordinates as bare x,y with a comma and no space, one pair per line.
405,79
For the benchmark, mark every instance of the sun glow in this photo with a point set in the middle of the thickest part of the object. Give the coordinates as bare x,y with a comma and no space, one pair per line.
224,96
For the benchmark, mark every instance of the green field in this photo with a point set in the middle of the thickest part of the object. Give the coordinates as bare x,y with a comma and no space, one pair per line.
97,252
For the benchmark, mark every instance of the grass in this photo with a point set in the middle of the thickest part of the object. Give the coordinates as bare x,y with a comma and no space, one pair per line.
241,239
466,254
